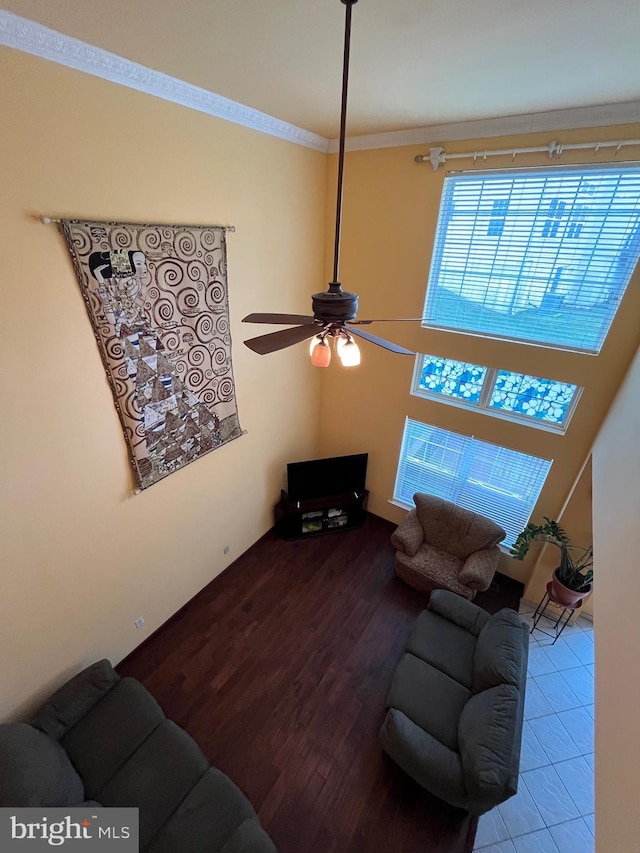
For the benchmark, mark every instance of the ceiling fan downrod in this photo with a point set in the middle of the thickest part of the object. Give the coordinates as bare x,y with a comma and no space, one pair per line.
335,303
335,309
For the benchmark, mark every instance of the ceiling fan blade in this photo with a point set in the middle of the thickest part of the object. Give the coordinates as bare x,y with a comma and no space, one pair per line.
385,320
277,319
274,341
374,339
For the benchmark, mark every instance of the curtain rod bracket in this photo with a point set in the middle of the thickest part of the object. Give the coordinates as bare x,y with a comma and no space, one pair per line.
436,157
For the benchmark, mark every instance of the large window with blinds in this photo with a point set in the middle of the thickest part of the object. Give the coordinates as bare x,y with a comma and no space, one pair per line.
541,256
497,482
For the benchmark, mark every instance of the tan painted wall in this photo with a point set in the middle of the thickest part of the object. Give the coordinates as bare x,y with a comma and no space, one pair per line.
81,556
390,214
616,510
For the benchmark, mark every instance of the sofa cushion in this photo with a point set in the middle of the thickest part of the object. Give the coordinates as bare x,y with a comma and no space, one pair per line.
489,740
437,563
206,819
455,609
157,777
35,770
249,837
500,656
429,698
104,739
72,701
454,529
438,567
445,645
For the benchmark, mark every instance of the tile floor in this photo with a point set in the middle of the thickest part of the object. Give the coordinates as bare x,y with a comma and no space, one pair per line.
553,811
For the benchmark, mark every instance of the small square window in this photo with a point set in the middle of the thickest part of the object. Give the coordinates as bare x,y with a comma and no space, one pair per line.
498,217
532,397
458,379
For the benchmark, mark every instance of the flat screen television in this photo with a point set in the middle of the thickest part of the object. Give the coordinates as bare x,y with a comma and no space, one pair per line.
319,478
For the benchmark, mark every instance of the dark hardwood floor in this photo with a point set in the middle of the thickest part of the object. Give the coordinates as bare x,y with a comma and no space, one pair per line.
279,669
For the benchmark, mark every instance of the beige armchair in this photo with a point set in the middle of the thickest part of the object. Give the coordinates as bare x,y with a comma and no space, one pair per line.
442,545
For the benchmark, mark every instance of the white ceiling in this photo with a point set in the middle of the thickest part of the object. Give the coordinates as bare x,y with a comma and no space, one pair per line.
414,63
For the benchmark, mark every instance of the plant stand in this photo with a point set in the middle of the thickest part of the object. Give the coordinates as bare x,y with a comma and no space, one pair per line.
562,620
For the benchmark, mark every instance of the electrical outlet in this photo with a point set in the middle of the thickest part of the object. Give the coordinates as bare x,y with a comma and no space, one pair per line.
139,622
225,550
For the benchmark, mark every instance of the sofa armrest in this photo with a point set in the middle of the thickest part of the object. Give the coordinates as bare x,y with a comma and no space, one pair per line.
75,698
35,771
408,536
489,740
479,568
458,610
432,764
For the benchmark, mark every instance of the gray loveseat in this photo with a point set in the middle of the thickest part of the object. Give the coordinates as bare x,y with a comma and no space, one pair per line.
104,740
456,703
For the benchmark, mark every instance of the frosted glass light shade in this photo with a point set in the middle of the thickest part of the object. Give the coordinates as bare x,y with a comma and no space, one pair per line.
320,352
348,351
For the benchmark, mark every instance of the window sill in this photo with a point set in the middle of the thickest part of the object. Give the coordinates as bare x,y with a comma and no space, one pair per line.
400,504
558,429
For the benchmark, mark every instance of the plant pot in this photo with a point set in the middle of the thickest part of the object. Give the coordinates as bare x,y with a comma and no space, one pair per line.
566,597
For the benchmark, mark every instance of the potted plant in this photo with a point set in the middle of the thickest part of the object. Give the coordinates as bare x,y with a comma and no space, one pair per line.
573,578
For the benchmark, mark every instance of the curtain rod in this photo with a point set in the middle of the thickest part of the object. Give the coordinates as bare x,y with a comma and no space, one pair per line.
47,220
438,157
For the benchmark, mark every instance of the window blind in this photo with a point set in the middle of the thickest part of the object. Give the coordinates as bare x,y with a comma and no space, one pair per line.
542,256
497,482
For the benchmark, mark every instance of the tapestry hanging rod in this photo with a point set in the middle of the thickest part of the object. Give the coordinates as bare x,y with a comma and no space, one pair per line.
438,157
47,220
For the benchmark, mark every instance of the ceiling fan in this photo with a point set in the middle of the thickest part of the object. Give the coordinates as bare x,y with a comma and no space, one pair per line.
334,310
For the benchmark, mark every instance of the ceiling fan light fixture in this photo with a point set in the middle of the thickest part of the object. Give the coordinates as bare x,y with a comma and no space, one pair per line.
320,352
348,350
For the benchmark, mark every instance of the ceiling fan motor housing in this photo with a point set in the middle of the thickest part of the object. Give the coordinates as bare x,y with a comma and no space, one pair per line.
335,304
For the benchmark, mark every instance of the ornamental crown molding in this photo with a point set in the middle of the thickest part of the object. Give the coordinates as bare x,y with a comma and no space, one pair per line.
38,40
31,37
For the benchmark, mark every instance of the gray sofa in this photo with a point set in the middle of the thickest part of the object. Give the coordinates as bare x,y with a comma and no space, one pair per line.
456,703
104,740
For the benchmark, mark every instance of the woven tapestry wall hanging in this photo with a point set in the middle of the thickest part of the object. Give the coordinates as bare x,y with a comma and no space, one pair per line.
157,300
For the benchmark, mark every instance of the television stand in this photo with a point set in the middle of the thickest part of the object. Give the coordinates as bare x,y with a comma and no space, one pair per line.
329,514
